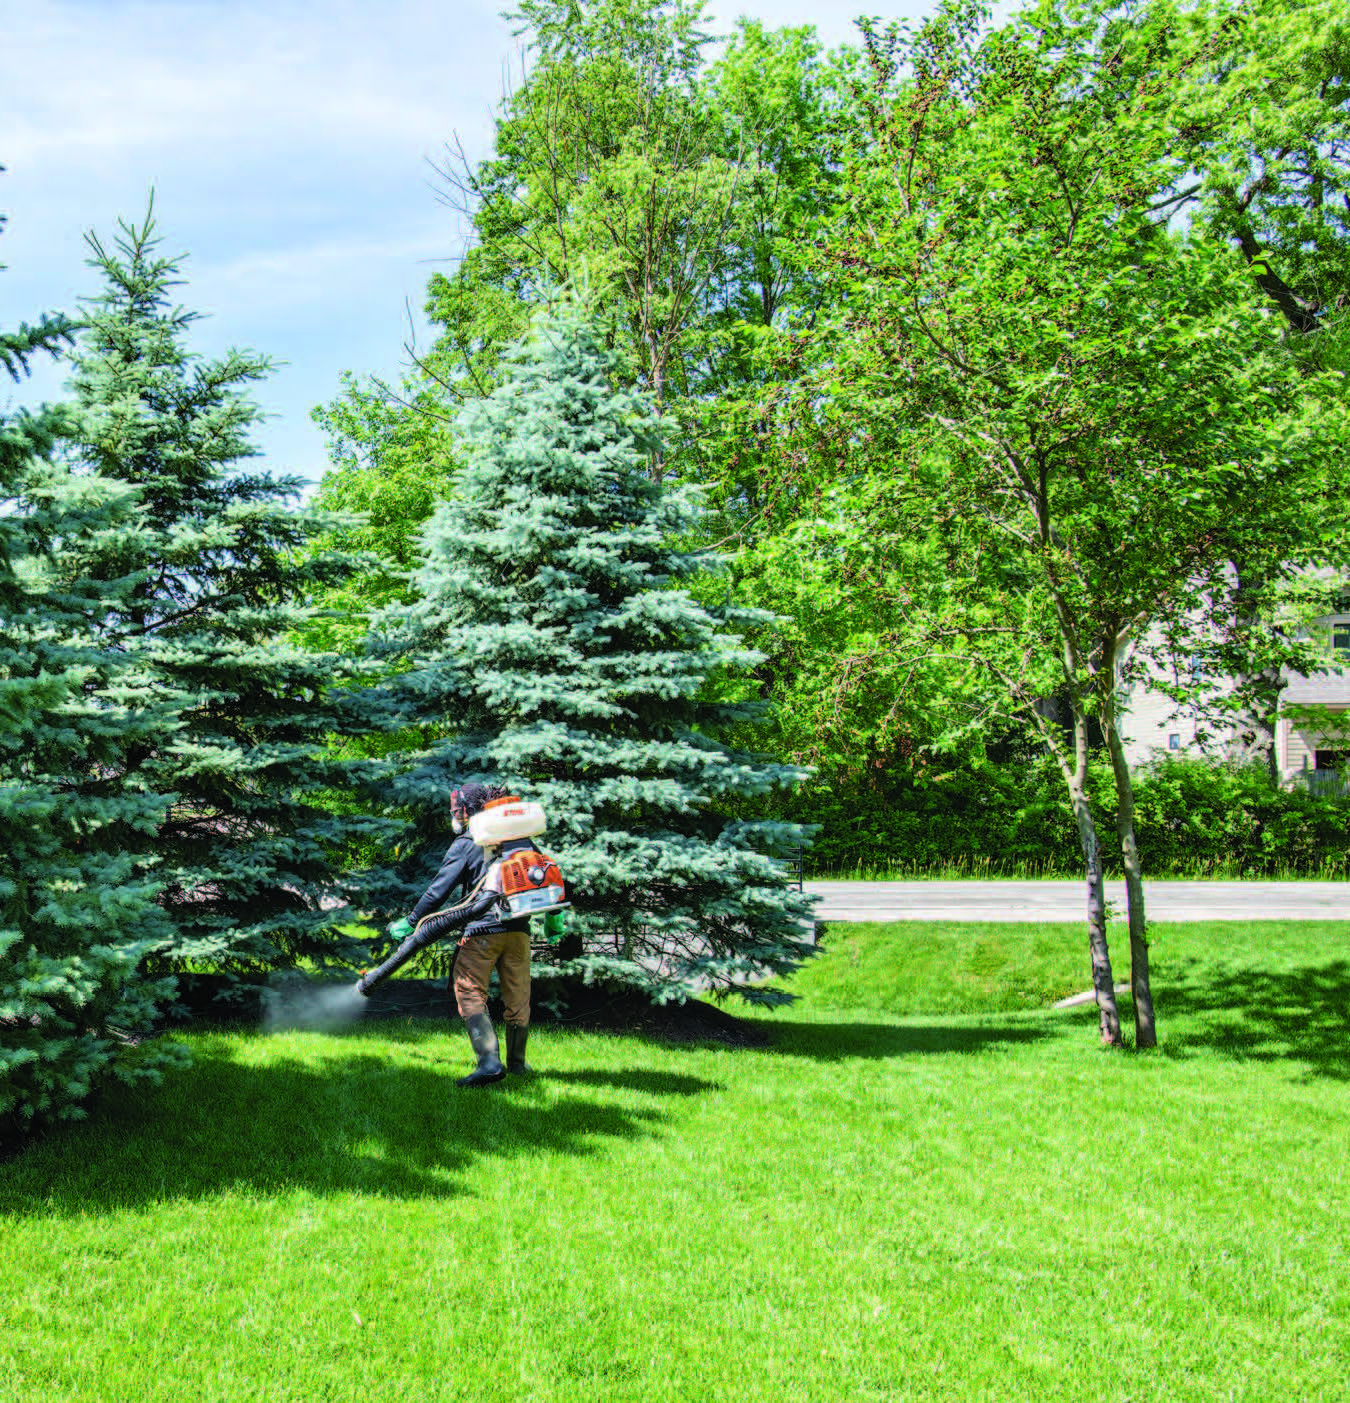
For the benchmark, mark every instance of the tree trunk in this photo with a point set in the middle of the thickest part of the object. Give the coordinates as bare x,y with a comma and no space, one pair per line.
1102,980
1145,1028
1076,777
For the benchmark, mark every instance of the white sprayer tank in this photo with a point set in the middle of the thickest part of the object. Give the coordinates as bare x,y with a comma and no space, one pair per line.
502,822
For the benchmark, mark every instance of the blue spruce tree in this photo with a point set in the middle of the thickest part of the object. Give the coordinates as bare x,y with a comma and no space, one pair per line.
250,851
77,919
556,647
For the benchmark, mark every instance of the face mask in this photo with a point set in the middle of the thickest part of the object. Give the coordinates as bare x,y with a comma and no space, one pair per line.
457,825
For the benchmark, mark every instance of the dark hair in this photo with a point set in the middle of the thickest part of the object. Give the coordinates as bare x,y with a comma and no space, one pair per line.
473,797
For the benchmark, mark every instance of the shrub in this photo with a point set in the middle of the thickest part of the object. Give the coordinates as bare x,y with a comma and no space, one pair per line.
1195,816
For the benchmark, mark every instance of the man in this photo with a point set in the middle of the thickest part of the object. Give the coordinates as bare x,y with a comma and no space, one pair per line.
487,942
463,864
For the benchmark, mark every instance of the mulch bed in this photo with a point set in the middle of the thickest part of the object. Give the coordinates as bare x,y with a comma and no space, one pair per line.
629,1012
568,1004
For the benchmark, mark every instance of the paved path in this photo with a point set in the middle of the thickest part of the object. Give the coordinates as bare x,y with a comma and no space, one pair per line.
1066,901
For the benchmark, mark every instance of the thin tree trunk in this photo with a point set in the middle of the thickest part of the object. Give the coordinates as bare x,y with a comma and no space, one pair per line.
1103,982
1076,777
1145,1027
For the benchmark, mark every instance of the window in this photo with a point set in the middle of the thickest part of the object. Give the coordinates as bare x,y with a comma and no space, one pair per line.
1174,741
1340,638
1330,759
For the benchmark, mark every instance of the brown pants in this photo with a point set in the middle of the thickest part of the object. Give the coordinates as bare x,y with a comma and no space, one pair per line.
509,950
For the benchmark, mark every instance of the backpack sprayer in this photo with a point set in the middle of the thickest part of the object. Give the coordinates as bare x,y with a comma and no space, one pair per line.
525,882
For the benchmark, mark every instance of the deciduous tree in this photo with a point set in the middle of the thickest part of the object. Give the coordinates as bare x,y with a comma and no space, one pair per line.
1090,407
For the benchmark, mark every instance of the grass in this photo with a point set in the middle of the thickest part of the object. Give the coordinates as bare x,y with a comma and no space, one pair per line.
923,967
1200,968
894,1200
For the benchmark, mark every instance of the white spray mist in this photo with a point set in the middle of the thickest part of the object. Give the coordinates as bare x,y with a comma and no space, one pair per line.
297,1004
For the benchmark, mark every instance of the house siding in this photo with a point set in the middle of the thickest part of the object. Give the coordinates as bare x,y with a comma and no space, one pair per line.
1301,743
1149,718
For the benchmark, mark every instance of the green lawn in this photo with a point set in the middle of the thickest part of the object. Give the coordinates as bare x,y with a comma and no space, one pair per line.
893,1200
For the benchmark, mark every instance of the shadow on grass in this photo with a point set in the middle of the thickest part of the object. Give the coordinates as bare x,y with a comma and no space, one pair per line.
833,1042
362,1123
637,1079
1297,1015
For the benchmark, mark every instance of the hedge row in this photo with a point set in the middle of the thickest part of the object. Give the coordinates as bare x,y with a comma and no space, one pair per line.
1195,817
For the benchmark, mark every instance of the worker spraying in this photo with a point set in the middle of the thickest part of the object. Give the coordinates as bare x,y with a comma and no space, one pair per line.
509,880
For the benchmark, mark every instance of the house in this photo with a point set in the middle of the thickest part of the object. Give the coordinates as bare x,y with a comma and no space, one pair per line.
1310,736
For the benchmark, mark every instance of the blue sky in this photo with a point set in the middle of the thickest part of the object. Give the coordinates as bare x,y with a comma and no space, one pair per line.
287,142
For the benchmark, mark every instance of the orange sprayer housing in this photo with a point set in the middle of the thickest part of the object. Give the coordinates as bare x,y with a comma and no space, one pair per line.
531,882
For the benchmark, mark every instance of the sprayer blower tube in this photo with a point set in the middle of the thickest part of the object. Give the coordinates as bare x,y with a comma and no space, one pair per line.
429,930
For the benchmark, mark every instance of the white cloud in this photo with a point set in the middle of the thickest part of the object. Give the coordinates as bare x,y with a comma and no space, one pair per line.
284,277
286,141
155,77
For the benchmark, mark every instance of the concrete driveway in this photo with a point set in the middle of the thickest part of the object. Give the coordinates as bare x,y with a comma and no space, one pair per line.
1067,901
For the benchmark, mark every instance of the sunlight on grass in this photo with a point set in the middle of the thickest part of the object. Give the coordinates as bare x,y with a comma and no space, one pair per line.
937,1205
942,967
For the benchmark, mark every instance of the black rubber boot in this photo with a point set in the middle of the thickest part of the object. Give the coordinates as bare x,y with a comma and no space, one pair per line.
484,1040
516,1038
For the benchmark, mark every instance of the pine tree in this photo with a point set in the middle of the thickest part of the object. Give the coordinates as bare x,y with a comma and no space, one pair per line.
248,850
557,645
75,920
